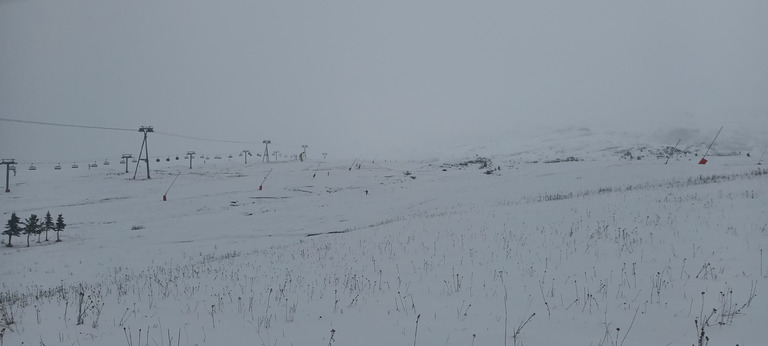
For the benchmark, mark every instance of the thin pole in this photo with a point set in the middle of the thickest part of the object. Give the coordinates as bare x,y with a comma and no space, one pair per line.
265,179
713,142
174,180
673,151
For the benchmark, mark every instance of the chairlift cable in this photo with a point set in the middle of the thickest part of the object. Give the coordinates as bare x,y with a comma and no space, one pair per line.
31,122
203,139
66,125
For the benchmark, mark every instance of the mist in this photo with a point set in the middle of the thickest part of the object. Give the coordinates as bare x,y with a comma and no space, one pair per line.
386,79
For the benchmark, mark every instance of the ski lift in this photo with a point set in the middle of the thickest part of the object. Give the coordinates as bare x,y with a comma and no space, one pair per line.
177,158
13,168
134,161
230,156
217,157
186,157
122,162
57,167
207,157
106,163
241,154
167,159
32,167
157,159
74,165
94,165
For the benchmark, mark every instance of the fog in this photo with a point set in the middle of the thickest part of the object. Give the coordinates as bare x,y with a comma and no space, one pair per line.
387,78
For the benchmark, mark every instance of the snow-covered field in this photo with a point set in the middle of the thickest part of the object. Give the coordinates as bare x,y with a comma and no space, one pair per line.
600,251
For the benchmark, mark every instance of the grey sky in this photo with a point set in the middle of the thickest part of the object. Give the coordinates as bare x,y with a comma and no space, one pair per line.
370,77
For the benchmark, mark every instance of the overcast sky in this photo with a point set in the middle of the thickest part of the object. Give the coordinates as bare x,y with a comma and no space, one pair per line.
371,78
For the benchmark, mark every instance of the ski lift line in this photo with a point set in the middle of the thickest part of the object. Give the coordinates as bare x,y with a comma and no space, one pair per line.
31,122
282,145
43,163
161,156
125,129
203,139
66,125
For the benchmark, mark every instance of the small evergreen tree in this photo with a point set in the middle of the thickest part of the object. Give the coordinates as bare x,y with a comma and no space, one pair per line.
48,224
12,228
60,225
31,226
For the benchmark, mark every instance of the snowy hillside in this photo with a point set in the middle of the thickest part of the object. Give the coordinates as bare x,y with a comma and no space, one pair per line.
593,242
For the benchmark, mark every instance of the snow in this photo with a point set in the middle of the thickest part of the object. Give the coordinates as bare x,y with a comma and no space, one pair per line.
600,251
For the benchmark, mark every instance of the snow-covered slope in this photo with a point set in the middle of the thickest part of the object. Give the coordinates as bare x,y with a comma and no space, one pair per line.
606,249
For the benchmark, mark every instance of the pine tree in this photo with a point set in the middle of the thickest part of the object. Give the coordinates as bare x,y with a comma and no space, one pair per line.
48,224
60,225
31,226
12,228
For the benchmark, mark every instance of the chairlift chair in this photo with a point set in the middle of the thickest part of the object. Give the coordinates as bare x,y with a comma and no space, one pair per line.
57,167
167,159
74,165
122,162
32,167
106,163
